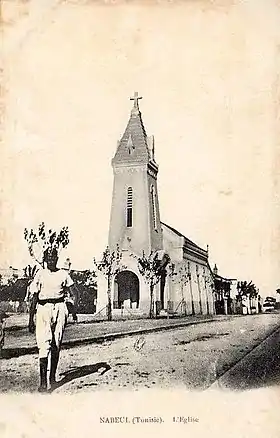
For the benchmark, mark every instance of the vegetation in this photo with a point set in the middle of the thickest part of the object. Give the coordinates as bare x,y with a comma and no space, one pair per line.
245,289
85,290
110,265
151,268
40,240
182,277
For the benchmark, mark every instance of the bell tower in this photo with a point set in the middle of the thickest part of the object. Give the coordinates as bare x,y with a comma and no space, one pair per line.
135,218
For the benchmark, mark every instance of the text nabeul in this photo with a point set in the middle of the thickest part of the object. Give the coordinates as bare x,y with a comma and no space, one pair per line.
133,420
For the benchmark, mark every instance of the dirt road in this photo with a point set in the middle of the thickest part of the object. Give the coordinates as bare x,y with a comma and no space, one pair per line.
192,357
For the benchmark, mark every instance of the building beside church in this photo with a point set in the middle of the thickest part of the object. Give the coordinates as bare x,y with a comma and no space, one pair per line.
136,226
225,292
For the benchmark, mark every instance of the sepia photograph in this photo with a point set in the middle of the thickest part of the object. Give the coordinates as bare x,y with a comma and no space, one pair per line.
140,218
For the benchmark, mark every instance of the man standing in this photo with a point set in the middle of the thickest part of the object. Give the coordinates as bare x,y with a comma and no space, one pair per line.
48,291
3,316
70,298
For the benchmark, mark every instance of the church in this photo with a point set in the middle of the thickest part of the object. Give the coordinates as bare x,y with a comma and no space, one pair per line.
186,285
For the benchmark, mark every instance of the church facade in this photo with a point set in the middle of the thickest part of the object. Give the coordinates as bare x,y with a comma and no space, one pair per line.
186,284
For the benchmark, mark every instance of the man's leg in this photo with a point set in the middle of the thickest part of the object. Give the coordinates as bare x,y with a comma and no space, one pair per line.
72,309
57,334
43,338
43,374
74,313
54,362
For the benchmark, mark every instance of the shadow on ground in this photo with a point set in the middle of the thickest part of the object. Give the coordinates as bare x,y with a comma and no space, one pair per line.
202,338
259,369
85,370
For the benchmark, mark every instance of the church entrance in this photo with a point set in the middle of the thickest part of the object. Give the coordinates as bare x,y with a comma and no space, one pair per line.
126,288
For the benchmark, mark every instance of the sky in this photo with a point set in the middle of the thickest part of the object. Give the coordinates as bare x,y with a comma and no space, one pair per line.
208,72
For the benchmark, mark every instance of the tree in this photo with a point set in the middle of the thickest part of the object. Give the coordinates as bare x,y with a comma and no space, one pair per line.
43,240
252,291
85,278
182,276
206,283
85,287
199,289
270,299
110,265
12,277
245,289
8,280
242,289
151,268
30,271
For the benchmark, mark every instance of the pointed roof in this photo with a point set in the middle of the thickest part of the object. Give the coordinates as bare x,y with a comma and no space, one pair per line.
133,146
187,240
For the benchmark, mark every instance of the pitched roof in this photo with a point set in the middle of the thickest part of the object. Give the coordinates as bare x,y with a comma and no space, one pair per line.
133,146
219,277
188,241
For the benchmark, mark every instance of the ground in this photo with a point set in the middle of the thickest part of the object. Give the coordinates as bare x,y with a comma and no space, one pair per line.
192,357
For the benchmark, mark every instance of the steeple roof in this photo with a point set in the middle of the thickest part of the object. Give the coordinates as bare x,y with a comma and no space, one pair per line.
133,146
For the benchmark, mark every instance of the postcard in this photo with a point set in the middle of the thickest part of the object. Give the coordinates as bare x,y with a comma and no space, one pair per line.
139,231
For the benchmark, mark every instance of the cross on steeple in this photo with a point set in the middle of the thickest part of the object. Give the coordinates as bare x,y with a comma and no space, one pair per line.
135,98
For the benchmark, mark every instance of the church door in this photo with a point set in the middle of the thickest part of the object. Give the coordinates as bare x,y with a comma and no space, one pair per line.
128,288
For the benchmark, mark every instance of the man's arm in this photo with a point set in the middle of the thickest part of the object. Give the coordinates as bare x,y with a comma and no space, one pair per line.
34,289
70,292
69,288
31,325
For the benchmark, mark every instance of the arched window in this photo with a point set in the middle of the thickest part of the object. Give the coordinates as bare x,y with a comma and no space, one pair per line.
129,208
154,208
